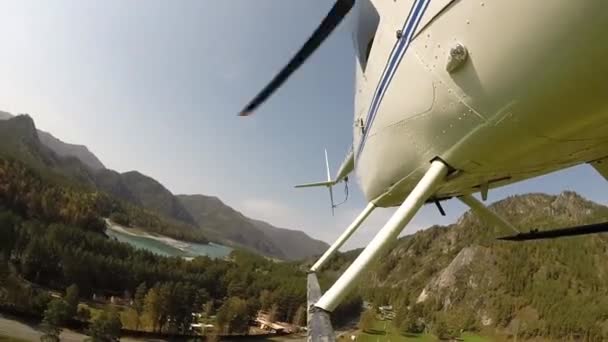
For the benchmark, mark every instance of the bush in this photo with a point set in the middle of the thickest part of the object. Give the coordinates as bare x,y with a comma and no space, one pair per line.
83,313
106,327
120,218
367,320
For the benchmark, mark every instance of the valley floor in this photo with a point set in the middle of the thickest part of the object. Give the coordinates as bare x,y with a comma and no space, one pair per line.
383,331
163,245
13,330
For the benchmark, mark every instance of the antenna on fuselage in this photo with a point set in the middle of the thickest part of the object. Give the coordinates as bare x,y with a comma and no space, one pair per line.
329,180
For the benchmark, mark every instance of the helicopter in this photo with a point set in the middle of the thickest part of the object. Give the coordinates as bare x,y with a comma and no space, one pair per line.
457,97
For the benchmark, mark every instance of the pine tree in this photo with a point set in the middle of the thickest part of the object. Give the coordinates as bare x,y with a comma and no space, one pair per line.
367,319
57,313
71,298
152,306
299,318
106,327
138,302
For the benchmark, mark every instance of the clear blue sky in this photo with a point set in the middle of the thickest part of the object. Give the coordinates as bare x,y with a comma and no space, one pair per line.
156,85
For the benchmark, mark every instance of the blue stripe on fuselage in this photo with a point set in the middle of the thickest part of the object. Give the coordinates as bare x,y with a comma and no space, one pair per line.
399,50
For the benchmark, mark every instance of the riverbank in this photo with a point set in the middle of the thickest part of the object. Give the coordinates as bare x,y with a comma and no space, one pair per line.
15,329
163,245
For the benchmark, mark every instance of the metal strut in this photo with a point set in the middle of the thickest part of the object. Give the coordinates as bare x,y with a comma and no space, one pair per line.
425,188
342,239
317,320
486,214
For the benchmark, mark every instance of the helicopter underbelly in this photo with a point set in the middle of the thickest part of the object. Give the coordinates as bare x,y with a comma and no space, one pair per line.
529,99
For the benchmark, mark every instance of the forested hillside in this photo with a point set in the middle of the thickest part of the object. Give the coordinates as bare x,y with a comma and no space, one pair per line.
57,255
64,149
460,277
42,194
143,202
140,201
219,220
51,235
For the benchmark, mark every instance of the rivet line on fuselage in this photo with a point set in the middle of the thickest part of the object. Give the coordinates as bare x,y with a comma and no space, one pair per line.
399,50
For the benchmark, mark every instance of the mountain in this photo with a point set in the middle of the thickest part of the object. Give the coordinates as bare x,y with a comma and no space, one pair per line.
70,150
294,244
19,137
20,140
154,196
222,221
63,149
114,184
146,202
462,278
26,158
5,115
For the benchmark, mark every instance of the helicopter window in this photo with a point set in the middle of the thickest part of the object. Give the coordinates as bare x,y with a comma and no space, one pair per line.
367,25
369,48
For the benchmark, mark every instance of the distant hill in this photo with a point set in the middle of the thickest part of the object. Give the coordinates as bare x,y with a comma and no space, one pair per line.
64,149
462,278
5,115
154,196
222,221
19,141
181,216
70,150
294,244
114,184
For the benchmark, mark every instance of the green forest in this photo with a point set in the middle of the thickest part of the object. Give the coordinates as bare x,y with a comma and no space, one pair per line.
55,258
459,278
52,237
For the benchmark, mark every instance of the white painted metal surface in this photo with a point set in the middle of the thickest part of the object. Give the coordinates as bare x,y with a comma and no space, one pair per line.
601,166
344,237
486,213
529,100
435,175
501,91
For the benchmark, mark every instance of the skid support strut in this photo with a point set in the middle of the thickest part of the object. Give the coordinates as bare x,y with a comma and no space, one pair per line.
342,239
486,213
425,188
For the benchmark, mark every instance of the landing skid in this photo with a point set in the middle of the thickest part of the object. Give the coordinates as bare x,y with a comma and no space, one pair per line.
558,233
320,306
493,218
318,321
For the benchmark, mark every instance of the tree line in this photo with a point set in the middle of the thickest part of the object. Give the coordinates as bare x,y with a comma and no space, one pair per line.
52,236
555,289
48,196
56,255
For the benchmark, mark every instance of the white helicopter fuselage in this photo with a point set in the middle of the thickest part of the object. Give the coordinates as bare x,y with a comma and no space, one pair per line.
530,98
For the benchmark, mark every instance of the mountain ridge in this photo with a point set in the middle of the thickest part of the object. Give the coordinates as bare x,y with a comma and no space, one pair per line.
461,278
231,227
64,149
228,223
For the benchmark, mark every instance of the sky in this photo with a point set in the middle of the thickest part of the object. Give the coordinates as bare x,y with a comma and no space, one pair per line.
155,86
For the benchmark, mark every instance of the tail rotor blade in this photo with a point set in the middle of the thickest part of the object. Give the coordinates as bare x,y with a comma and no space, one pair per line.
331,190
331,198
335,16
327,167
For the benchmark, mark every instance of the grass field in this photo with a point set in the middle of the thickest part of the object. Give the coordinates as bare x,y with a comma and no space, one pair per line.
383,331
4,338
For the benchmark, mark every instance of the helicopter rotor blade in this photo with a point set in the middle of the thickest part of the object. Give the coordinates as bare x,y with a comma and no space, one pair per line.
333,18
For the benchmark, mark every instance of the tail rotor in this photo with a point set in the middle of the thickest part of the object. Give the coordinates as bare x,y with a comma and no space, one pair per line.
330,186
